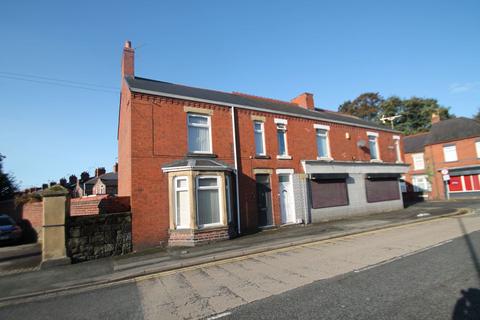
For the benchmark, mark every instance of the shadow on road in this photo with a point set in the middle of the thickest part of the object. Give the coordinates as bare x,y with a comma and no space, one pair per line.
468,306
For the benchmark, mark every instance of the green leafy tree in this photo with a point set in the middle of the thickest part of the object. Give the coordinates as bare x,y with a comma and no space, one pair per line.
366,106
476,116
8,186
415,113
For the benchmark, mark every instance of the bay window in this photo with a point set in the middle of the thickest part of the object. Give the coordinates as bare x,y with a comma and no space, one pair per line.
181,202
199,134
208,201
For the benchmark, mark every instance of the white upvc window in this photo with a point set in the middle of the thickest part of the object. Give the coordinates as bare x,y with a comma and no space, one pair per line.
403,185
323,143
450,153
477,147
182,202
199,133
418,161
208,201
259,132
373,146
396,141
282,138
420,183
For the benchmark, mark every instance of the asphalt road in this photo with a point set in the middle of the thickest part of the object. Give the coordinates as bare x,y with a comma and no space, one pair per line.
440,283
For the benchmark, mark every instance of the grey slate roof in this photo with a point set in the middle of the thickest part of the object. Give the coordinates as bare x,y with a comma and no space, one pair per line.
196,164
148,86
415,143
453,129
443,131
109,179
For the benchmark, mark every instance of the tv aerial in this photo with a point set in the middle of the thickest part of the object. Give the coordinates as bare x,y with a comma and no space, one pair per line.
391,119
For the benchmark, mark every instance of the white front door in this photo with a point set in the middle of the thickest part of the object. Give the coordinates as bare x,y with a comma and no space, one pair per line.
286,198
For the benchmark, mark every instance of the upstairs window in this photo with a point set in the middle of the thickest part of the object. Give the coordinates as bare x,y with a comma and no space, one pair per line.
199,134
477,148
259,132
418,161
373,145
322,143
282,139
396,141
450,153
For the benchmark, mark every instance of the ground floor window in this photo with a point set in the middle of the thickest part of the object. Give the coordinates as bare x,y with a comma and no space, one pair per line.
382,189
464,183
182,205
328,192
420,183
208,201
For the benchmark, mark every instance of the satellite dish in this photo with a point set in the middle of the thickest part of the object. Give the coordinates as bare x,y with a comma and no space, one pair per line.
361,143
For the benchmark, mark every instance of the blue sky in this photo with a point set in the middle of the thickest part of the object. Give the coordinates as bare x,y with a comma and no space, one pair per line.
334,49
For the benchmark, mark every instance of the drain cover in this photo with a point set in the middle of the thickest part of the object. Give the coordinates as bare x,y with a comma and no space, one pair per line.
423,214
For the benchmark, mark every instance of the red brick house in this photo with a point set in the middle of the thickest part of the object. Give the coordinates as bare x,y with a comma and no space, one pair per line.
452,144
202,165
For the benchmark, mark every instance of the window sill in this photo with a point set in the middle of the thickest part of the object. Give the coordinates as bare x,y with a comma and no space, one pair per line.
398,161
261,157
284,157
376,161
326,159
200,155
210,227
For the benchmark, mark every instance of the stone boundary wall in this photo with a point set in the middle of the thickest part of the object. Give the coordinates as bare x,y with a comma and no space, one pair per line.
98,236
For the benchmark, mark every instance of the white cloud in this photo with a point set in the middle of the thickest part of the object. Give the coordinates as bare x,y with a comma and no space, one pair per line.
464,87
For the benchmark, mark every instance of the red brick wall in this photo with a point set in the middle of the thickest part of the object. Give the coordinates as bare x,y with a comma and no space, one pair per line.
434,161
33,212
158,133
98,204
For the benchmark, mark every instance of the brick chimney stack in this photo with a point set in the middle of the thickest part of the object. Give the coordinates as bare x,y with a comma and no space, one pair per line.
305,100
99,172
435,117
128,58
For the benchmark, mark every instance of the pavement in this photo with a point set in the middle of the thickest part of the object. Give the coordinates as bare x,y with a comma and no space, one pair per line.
440,283
121,270
222,288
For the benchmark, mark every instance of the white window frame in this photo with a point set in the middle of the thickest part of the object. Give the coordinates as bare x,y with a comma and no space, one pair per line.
228,190
374,135
396,141
421,184
262,131
477,148
418,161
209,126
281,125
220,202
175,199
326,129
450,148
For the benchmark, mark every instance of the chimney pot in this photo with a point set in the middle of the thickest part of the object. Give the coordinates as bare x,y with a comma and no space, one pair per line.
128,44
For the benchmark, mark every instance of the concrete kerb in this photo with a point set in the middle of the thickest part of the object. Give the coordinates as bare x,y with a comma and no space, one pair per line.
131,276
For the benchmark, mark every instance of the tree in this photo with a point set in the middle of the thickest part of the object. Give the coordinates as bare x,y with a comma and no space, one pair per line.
8,186
476,116
415,113
366,106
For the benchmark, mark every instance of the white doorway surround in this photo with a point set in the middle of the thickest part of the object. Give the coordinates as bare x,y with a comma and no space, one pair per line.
285,190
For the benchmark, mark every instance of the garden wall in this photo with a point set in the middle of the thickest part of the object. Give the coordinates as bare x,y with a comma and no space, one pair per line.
97,236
